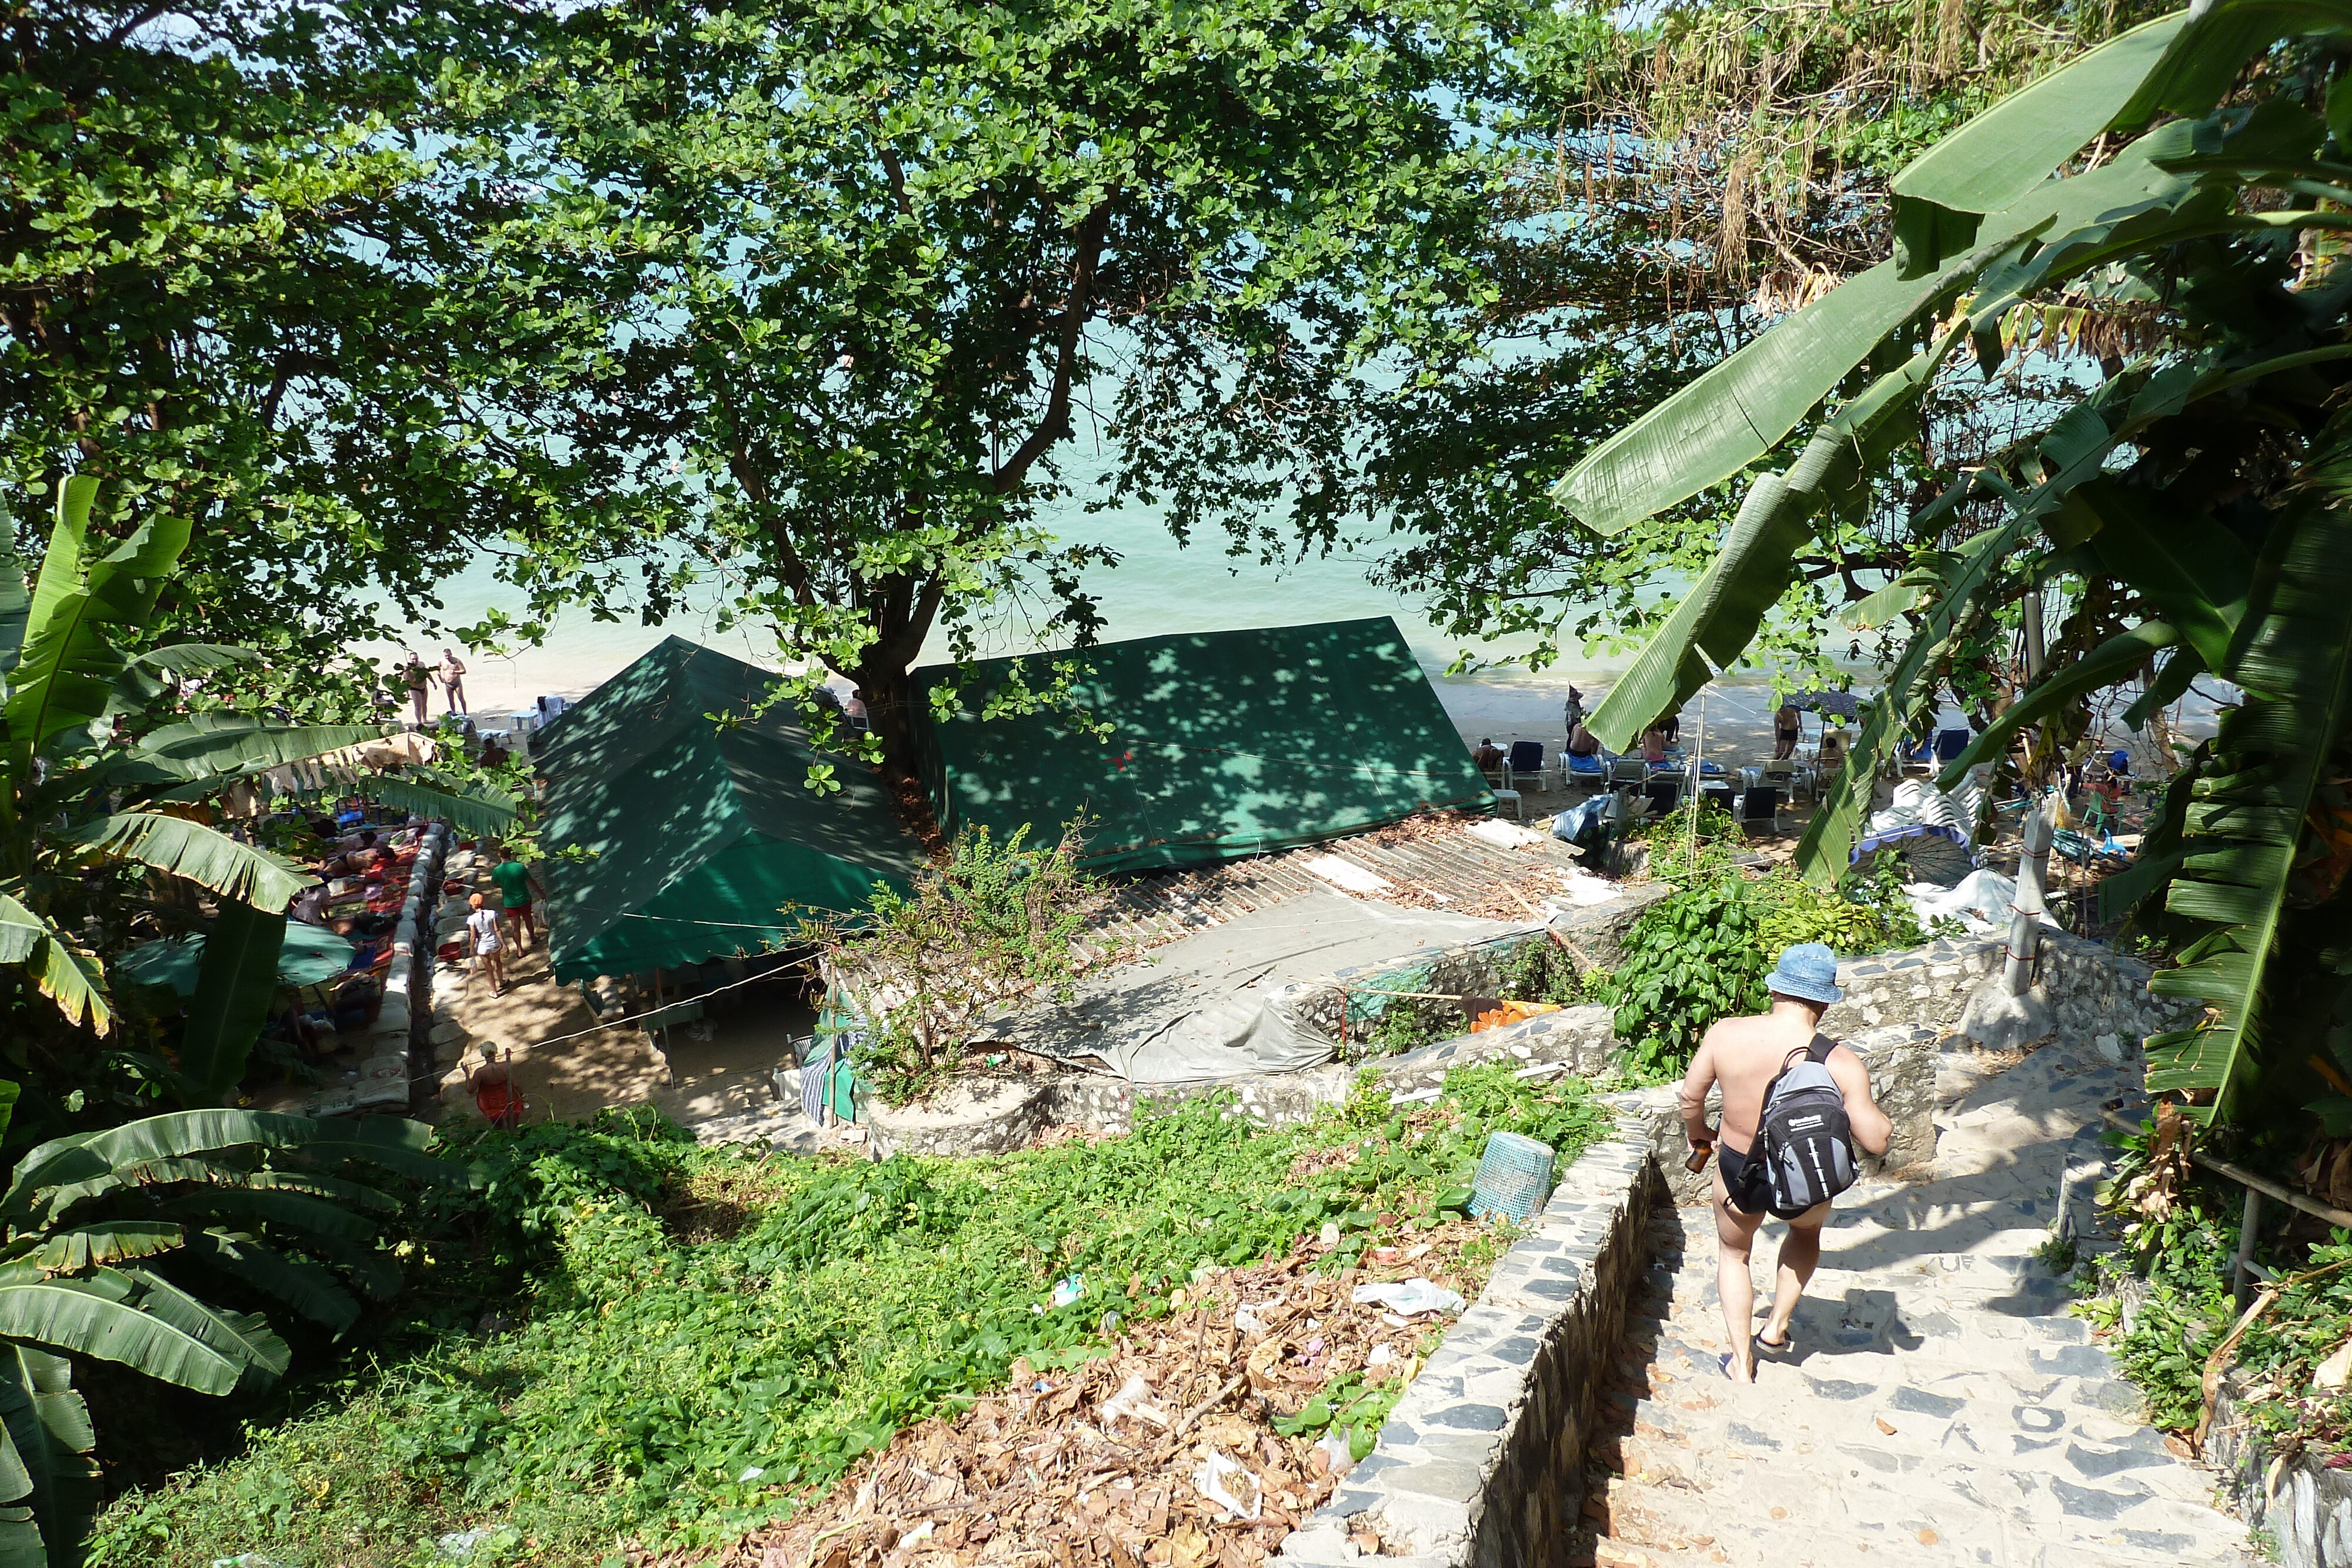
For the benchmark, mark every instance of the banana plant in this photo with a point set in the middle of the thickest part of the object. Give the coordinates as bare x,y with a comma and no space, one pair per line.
2198,487
116,1244
99,770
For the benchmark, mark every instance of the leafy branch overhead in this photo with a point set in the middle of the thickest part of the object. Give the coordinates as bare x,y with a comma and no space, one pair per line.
2190,504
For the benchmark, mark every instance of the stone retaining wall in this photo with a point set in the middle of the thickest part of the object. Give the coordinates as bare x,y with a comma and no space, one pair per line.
1481,1462
2306,1508
2094,990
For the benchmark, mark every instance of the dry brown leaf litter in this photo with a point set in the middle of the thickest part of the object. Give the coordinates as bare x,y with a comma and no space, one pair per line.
1102,1464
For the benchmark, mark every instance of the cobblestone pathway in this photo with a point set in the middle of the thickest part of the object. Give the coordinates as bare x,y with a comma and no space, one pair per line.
1940,1406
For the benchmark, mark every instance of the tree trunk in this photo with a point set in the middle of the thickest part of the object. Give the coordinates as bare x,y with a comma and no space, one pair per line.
888,690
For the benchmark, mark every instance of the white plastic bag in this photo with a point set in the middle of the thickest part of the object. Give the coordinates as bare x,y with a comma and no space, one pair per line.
1223,1482
1409,1297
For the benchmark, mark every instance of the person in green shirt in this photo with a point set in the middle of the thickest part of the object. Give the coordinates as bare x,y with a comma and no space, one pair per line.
517,887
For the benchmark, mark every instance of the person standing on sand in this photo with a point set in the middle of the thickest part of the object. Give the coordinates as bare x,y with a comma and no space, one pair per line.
453,679
420,684
482,925
516,887
1745,1055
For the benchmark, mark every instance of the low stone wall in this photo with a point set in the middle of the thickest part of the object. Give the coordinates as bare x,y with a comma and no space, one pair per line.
2094,990
1898,1006
2306,1508
1902,1062
1482,1460
1005,1114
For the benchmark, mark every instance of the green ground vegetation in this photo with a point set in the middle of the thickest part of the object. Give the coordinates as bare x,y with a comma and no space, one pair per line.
624,1336
1702,952
2166,1301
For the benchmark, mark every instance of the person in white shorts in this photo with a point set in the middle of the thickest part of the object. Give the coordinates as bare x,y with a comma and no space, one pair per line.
489,949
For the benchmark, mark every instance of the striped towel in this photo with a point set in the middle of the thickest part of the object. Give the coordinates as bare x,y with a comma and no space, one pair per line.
816,1076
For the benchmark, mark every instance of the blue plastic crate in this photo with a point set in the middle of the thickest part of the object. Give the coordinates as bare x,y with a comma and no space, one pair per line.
1514,1177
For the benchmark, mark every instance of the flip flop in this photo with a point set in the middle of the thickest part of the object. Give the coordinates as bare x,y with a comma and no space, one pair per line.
1765,1347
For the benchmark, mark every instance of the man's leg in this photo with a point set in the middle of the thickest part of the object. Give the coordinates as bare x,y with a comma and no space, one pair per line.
1734,1234
1800,1253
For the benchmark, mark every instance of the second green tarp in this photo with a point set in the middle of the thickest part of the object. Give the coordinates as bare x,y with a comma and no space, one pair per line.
1221,744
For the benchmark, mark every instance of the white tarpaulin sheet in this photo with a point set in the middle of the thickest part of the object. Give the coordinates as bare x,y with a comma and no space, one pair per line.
1211,1006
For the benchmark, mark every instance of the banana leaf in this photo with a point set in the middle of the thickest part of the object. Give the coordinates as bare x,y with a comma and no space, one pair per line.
1747,404
104,1241
2270,757
49,1471
305,1287
476,810
21,931
203,855
2118,659
2001,155
66,670
1719,617
292,1211
246,1338
214,745
64,973
2205,57
64,1316
2188,565
235,989
111,1151
195,658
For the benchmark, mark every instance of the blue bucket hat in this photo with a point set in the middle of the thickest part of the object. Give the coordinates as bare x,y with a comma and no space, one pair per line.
1808,972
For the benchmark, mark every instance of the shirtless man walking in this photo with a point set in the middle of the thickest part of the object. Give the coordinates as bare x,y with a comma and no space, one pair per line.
1744,1055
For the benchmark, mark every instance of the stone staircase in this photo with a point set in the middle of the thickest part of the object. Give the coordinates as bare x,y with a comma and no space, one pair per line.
1938,1406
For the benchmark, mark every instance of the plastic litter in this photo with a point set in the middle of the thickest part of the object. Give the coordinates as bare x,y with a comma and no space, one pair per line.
458,1545
1211,1482
1069,1289
1133,1401
1514,1177
1381,1355
1336,1453
1410,1297
1247,1319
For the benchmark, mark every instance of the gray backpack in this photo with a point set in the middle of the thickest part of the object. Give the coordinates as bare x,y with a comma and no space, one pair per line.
1804,1138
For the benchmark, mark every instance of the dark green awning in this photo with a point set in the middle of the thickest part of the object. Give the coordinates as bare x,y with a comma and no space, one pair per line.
704,836
1222,743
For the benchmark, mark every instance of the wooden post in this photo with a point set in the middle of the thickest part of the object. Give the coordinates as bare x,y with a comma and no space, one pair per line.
2025,923
2242,1272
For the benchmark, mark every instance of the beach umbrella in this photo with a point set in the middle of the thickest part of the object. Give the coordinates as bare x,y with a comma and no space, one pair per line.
1842,704
309,956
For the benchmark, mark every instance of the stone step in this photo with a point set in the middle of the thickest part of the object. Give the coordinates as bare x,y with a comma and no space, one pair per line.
1855,1484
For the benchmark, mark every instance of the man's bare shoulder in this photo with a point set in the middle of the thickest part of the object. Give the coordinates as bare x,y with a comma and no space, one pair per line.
1740,1031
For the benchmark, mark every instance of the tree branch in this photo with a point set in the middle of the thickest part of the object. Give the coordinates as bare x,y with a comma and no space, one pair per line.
1075,307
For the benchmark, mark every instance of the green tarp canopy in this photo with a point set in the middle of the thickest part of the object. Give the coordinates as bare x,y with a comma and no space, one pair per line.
701,835
1222,743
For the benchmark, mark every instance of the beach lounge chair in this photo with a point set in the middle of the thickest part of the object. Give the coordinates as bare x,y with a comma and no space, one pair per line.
1591,770
1665,792
1949,744
1760,805
1526,760
1628,769
1783,774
